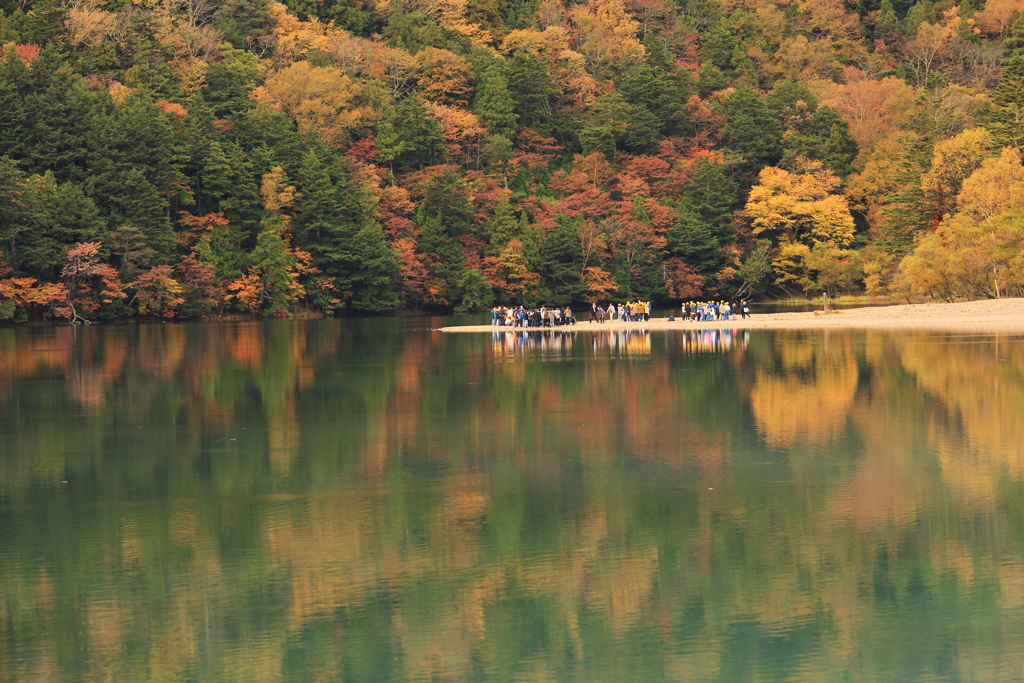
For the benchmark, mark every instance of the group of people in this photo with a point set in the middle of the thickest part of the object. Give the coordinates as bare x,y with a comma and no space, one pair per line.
545,316
634,311
503,316
704,311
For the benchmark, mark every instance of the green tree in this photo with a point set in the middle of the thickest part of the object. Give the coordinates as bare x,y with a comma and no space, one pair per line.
272,260
409,134
561,265
475,293
502,226
493,103
373,273
823,136
713,196
751,129
691,240
605,126
57,216
1007,125
230,80
530,86
447,199
443,255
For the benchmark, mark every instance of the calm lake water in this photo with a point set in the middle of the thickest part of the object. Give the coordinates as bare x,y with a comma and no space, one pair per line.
368,500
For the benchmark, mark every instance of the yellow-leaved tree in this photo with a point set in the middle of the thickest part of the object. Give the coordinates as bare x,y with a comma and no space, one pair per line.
979,251
953,161
802,211
321,99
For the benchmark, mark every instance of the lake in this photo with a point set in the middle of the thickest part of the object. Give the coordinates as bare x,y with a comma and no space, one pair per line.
371,500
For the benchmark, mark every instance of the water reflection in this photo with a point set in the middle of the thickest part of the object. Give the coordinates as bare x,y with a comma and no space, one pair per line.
353,501
560,342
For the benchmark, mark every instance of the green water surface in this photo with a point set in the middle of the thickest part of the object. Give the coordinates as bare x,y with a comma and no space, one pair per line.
372,500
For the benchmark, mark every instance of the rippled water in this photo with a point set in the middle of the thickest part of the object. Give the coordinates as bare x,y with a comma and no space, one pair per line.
372,500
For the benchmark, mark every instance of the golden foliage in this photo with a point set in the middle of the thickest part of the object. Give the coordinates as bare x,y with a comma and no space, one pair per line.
277,194
321,99
979,251
800,207
806,61
966,259
609,34
88,24
294,38
809,399
995,187
998,15
953,160
922,51
449,14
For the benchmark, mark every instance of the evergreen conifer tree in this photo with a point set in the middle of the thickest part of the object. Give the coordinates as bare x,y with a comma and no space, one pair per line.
274,263
493,104
561,263
372,275
690,239
502,227
1007,125
751,129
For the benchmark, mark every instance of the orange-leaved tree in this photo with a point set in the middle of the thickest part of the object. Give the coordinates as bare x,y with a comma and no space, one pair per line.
19,295
157,292
89,283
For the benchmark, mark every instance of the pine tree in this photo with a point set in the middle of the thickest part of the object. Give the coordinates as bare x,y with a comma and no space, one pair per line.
531,237
420,130
1013,37
605,126
57,217
273,262
52,117
824,137
493,104
562,265
218,177
751,129
15,85
319,207
690,239
713,196
443,255
501,227
447,200
530,86
373,271
475,293
1007,126
887,27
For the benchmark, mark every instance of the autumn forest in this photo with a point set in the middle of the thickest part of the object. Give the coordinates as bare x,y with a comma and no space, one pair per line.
193,158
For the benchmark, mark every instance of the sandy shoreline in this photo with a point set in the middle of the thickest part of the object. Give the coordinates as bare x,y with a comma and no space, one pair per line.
993,314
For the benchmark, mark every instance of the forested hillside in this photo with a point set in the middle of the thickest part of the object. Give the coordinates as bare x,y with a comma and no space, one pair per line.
183,158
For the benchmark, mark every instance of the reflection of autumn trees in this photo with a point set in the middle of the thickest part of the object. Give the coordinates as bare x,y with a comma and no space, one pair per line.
980,383
313,501
806,390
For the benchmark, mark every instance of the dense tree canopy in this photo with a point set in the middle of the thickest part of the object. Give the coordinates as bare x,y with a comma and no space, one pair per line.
271,158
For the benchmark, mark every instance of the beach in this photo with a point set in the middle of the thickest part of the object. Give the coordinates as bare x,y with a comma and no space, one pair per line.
988,315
